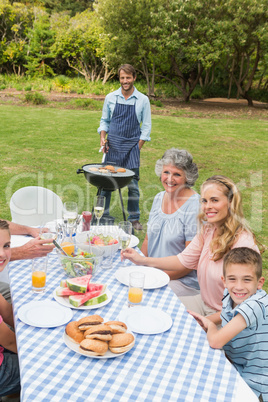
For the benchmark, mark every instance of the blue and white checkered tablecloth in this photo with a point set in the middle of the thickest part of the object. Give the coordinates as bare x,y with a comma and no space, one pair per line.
177,365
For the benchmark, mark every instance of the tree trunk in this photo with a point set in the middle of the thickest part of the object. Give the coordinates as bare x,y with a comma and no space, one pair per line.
80,71
231,78
240,74
150,84
239,84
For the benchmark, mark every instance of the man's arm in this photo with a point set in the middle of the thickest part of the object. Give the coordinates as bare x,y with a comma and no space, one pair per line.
141,143
105,120
102,138
146,125
33,249
217,338
16,229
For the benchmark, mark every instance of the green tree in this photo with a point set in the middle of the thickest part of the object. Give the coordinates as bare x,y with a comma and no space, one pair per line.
80,41
41,37
133,31
194,38
248,21
56,6
15,21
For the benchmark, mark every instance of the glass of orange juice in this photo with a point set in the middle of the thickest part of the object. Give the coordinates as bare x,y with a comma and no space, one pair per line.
39,274
135,290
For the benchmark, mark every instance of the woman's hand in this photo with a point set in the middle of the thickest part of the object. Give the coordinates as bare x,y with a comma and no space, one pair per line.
133,256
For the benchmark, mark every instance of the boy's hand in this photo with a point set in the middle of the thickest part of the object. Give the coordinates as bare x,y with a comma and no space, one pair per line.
202,321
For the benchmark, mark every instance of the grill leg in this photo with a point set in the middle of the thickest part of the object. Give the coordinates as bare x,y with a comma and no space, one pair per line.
122,205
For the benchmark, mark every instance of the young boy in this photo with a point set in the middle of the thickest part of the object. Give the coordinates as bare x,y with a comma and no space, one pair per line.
244,332
9,365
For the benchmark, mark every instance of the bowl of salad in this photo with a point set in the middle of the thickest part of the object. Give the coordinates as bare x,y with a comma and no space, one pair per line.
80,260
106,241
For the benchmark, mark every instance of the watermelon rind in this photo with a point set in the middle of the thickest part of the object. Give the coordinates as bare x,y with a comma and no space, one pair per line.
63,283
78,300
78,284
96,300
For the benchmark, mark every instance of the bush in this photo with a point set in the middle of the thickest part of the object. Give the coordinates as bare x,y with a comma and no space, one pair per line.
260,95
88,104
218,91
28,88
62,84
35,98
169,90
2,87
197,93
157,103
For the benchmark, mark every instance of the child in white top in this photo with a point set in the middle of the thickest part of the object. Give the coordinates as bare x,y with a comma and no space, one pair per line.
244,332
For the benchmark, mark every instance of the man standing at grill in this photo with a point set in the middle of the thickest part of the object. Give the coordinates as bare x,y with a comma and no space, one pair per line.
126,118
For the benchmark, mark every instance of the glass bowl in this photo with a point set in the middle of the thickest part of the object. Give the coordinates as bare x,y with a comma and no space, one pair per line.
83,238
81,265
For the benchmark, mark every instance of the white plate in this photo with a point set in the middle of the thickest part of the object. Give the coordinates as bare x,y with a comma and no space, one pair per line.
134,241
19,240
44,314
146,320
154,278
64,301
75,347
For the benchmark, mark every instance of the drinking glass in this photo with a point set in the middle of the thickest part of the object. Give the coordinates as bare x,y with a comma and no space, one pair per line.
39,274
70,214
135,290
125,232
99,204
48,231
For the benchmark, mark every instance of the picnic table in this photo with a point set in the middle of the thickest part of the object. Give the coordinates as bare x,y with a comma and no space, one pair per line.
176,365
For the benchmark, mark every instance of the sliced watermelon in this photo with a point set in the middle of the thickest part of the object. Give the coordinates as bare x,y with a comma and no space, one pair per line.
95,286
62,291
79,284
78,300
96,300
66,292
63,283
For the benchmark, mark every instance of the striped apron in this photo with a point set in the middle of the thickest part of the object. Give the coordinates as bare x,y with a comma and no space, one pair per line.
123,137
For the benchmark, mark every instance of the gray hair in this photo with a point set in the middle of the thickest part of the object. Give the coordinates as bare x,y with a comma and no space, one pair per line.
182,160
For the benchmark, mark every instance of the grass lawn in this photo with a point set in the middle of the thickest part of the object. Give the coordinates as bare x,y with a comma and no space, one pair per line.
46,146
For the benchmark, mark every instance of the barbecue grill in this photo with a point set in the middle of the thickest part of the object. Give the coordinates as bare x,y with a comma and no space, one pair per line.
107,181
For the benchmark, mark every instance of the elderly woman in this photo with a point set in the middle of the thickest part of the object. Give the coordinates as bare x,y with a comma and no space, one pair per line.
173,217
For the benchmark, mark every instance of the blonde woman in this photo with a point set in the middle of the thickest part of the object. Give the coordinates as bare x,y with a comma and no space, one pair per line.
223,227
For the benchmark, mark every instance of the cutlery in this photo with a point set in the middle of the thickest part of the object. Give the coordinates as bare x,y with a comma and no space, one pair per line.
59,247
